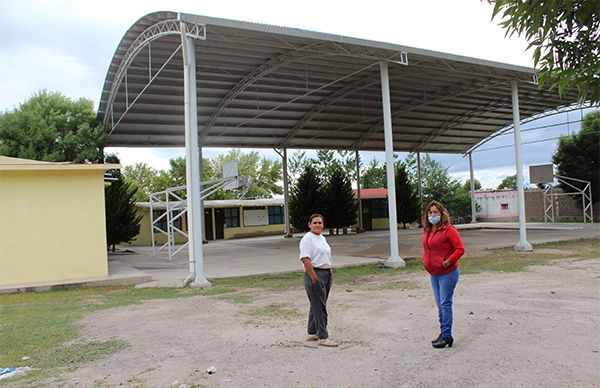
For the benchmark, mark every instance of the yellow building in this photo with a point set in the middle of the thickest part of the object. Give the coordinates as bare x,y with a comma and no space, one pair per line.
223,219
52,223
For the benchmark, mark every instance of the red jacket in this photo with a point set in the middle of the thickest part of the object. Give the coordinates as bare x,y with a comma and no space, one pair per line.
444,243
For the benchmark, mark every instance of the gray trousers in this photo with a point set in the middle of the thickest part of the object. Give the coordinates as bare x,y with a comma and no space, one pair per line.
317,295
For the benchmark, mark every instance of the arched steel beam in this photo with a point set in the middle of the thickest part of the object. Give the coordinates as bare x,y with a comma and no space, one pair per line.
304,52
447,93
155,31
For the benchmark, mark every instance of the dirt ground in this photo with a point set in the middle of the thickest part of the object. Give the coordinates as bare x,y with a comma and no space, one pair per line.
535,328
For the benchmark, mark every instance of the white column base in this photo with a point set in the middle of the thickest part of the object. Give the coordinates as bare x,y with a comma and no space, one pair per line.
523,246
394,262
200,283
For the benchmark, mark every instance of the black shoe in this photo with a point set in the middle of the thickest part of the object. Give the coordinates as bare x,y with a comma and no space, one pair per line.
439,337
443,342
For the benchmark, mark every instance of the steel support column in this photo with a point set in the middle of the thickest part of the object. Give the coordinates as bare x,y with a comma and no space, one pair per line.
359,229
192,156
394,260
420,188
523,244
473,205
286,198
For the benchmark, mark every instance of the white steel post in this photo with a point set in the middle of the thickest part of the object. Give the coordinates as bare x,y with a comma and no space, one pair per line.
359,229
286,198
523,244
394,260
473,206
420,187
192,155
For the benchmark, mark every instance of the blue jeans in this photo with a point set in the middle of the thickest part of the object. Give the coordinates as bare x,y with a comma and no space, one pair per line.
443,290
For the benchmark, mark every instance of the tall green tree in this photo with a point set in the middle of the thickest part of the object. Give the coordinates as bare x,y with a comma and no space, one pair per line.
339,205
565,36
306,198
122,223
264,173
141,176
467,185
54,128
509,182
578,155
407,202
373,176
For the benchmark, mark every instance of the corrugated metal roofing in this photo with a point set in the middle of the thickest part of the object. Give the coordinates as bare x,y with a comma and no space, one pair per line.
262,86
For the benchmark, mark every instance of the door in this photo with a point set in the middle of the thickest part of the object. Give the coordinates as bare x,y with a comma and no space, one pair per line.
208,224
366,217
219,224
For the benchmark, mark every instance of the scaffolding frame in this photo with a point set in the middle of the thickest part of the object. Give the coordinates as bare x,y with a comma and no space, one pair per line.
551,199
174,201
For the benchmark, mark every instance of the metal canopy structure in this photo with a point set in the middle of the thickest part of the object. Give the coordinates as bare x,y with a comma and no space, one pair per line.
194,81
262,86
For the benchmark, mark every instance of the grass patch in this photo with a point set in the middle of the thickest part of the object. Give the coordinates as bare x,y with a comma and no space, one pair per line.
235,298
274,310
39,325
508,260
74,354
400,284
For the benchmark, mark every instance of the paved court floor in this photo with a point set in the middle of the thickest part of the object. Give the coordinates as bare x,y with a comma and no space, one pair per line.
273,254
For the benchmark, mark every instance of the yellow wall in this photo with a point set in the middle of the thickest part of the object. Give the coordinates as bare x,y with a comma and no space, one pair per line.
145,237
251,231
52,226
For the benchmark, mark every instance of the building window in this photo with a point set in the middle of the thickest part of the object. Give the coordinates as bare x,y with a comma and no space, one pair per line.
504,206
275,215
231,217
379,208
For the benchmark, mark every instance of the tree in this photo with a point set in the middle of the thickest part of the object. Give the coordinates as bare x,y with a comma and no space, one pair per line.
374,176
339,206
467,185
265,174
141,176
565,35
306,198
578,155
122,224
510,182
407,203
54,128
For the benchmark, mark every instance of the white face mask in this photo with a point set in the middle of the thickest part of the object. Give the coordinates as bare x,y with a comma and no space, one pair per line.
434,219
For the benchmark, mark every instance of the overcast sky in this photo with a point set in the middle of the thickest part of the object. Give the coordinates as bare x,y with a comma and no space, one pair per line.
66,46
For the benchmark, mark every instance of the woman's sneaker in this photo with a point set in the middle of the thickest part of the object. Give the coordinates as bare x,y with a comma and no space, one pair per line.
311,337
327,342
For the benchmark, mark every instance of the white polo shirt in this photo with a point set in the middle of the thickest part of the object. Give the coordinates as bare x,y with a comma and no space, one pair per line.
315,247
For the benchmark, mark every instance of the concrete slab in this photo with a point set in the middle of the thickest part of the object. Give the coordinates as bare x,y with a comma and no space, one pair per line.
275,254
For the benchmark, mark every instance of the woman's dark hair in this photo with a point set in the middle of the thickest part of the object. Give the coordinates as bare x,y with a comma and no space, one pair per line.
313,216
445,216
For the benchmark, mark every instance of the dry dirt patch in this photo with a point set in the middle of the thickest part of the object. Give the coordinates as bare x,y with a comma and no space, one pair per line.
538,327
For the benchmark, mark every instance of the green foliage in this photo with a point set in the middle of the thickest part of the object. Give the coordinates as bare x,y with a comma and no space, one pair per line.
141,176
264,174
565,35
122,224
510,182
467,185
54,128
339,207
578,155
373,177
306,198
407,201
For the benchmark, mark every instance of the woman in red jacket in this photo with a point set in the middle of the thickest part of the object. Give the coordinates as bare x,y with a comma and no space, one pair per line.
442,249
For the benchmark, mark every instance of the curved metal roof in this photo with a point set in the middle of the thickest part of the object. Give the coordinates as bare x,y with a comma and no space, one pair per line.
267,86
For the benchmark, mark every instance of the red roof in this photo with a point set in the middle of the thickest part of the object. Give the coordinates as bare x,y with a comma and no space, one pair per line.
371,193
